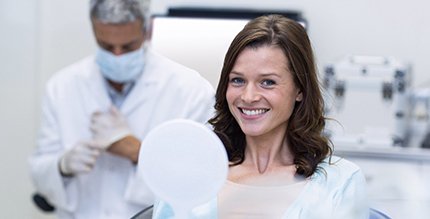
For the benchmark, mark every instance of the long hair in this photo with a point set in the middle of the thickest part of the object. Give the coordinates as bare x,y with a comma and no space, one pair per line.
304,134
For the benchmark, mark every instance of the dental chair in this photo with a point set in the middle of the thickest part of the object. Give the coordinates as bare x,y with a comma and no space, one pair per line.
42,204
144,214
46,207
376,214
147,214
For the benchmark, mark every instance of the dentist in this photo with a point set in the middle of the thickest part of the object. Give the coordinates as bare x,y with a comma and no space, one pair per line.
97,111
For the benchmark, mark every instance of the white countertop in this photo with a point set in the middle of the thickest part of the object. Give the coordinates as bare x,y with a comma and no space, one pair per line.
391,153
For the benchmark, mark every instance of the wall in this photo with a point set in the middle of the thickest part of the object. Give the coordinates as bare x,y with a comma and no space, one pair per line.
360,27
40,37
37,38
17,86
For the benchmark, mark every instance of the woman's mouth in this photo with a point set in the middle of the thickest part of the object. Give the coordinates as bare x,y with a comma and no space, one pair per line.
253,112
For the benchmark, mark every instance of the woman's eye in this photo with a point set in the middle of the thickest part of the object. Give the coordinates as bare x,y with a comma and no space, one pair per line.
268,83
237,81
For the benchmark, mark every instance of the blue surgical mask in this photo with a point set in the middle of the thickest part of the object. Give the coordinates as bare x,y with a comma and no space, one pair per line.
122,68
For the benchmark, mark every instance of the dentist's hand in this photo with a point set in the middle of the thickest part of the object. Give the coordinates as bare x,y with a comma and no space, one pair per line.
79,159
109,127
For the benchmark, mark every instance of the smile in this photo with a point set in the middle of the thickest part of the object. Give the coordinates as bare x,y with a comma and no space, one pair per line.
253,112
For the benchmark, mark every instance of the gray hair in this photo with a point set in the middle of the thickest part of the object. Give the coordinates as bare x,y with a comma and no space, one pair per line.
120,11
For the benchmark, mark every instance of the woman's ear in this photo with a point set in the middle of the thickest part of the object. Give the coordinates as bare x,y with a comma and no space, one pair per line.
299,96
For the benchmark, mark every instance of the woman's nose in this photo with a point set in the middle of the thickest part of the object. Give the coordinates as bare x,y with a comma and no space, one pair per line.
250,94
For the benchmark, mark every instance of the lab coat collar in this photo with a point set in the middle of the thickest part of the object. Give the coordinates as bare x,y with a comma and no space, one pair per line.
92,90
95,95
142,90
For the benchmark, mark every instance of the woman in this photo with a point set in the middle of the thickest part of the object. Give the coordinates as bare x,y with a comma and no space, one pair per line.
269,114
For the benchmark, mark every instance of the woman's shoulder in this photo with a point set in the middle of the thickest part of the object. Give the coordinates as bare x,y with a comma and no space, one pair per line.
335,170
338,164
336,189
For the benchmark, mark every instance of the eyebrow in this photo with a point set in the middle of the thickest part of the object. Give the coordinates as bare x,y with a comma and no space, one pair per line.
262,75
236,73
125,44
270,74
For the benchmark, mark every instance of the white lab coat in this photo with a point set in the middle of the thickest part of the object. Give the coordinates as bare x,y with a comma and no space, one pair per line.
165,91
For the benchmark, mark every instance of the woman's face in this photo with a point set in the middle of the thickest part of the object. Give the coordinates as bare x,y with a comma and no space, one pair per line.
261,93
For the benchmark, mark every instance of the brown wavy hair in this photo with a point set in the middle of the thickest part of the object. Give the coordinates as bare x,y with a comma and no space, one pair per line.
305,126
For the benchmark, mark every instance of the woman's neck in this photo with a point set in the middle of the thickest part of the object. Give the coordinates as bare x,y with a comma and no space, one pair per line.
265,152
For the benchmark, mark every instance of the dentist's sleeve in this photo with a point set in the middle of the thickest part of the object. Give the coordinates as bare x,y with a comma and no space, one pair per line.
44,170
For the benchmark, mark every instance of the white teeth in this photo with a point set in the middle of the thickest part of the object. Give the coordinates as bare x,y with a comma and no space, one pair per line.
254,112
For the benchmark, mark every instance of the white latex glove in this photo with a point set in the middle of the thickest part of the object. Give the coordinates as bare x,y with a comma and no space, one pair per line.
79,159
109,127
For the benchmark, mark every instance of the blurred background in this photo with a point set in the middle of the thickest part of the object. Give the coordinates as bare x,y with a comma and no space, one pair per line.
37,38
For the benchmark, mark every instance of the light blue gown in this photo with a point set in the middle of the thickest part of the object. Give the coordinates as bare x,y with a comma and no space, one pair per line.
337,190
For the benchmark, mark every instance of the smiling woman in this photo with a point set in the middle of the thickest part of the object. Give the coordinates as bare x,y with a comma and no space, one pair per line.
269,115
271,60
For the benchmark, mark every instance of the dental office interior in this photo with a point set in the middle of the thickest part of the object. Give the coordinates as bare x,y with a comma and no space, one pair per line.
372,58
